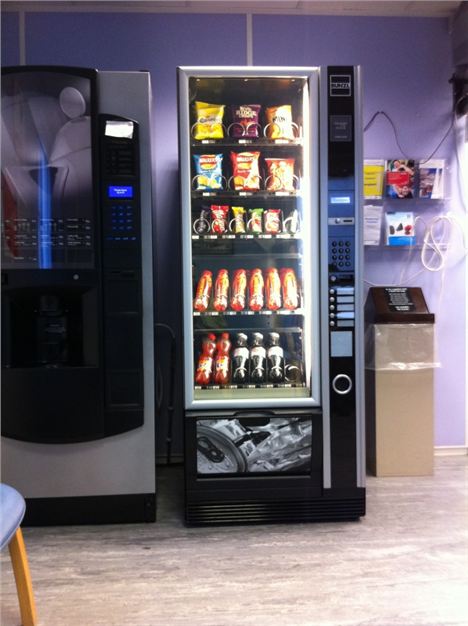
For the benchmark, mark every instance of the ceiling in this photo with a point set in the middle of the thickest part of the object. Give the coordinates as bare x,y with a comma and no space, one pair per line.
395,8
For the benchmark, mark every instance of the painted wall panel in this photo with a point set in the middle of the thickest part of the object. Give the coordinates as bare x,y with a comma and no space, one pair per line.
10,39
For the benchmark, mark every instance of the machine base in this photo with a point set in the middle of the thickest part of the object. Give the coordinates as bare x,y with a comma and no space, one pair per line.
326,509
129,508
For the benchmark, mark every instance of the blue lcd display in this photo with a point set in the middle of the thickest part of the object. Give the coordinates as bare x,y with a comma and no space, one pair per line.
340,199
120,191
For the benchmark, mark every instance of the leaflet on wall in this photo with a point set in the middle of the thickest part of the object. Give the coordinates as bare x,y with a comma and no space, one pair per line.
372,224
431,179
399,228
374,170
399,178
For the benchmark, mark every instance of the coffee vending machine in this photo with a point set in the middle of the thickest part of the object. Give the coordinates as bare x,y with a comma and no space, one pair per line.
77,285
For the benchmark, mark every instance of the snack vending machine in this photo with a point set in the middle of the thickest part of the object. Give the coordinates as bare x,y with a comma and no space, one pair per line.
270,165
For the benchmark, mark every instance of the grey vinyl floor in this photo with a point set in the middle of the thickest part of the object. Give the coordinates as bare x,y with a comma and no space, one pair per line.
404,564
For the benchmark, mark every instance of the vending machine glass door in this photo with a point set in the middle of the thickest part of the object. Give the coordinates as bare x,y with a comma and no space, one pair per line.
249,178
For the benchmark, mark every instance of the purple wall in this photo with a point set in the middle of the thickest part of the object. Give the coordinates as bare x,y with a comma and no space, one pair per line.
10,39
406,66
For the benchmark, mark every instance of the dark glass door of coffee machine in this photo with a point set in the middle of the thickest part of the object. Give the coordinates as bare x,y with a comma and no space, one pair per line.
50,253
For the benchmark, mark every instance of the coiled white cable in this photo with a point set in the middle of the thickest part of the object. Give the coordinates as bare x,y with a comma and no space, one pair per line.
437,241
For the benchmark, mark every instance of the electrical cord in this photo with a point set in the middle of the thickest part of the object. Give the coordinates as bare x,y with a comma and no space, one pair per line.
395,132
160,390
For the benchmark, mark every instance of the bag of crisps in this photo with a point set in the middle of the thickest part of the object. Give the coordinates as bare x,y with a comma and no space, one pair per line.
279,122
246,175
208,171
255,221
209,121
237,224
280,174
244,120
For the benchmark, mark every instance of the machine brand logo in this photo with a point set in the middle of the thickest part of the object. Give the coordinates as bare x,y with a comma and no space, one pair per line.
340,85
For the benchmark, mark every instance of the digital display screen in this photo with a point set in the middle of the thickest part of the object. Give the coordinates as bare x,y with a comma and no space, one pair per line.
340,200
120,191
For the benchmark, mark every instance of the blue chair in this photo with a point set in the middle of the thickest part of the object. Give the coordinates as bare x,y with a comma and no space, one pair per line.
12,509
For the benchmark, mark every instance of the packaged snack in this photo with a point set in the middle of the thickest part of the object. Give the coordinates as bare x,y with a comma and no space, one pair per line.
219,215
239,288
201,225
221,291
272,220
209,121
203,292
291,223
237,224
280,175
256,284
289,288
246,175
244,120
273,289
208,171
255,221
279,122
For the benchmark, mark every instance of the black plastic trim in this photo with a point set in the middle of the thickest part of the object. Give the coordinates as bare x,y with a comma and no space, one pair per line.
119,509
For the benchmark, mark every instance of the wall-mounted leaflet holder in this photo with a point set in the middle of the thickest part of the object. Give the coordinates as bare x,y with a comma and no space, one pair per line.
408,178
401,179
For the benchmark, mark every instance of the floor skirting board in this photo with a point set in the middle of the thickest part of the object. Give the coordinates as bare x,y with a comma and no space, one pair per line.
451,450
